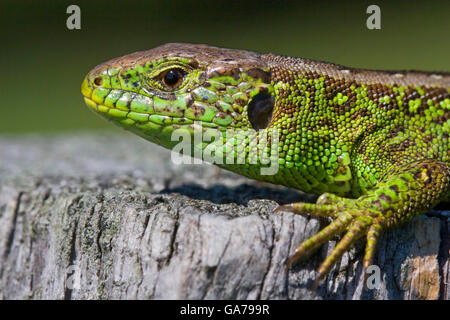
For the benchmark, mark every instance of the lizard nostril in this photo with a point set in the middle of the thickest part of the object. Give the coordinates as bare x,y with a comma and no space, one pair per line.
98,81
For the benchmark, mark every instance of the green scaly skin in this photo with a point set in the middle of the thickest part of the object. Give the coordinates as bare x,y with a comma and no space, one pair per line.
373,144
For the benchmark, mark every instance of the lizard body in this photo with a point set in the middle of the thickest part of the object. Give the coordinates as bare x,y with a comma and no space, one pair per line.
373,144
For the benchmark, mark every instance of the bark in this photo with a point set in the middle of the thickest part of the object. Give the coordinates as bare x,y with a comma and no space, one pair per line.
109,216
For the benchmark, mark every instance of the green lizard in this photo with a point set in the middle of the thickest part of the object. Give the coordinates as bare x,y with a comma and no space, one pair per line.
373,144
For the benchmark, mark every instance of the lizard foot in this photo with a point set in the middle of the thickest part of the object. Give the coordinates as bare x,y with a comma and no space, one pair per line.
349,217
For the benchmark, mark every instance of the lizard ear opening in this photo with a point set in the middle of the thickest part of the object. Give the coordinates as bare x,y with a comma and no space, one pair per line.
260,110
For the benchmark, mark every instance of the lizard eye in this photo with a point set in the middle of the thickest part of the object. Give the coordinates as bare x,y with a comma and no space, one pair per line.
172,78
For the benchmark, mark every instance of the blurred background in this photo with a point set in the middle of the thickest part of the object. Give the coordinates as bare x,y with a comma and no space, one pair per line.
42,62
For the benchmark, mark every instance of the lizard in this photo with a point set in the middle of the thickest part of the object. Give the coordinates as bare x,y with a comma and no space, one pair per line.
373,145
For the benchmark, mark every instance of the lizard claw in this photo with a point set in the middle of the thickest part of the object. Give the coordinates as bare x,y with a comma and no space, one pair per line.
354,221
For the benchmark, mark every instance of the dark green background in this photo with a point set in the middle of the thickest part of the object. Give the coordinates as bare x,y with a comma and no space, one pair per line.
42,63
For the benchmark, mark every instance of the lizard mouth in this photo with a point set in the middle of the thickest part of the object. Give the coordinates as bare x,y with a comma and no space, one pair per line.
137,113
127,108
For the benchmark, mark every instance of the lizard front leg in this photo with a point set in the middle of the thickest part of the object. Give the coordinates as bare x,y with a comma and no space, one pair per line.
403,193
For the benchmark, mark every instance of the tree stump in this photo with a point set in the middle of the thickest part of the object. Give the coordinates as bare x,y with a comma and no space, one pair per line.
106,215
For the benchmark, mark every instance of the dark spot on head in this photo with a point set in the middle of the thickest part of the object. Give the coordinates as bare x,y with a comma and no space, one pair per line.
378,204
193,64
260,110
198,111
394,188
259,74
240,101
385,197
189,101
219,107
417,175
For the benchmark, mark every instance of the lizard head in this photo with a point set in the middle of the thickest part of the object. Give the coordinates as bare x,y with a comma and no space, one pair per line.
154,92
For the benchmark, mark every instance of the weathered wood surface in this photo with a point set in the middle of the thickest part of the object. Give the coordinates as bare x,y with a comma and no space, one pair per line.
109,216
